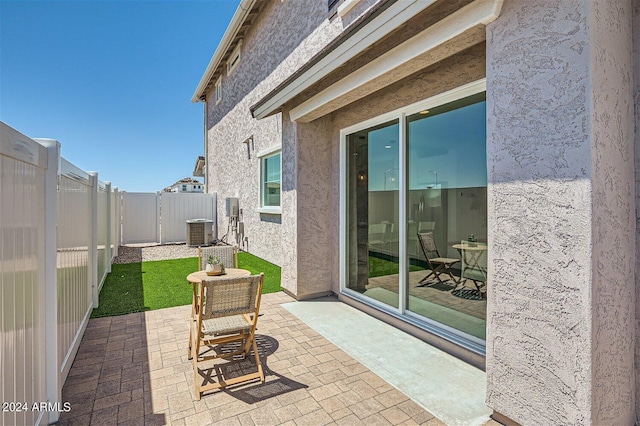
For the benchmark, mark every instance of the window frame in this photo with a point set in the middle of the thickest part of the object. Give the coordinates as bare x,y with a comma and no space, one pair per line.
218,90
234,59
262,156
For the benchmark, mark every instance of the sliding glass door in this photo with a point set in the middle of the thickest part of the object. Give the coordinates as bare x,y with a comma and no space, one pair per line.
415,212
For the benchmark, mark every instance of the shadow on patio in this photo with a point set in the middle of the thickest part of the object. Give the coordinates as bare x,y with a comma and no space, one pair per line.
133,369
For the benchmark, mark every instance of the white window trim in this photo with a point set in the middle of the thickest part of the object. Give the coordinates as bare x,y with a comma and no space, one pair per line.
218,90
263,155
345,7
470,342
233,63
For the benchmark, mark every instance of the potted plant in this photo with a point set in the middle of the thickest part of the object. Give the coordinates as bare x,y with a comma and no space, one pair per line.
214,266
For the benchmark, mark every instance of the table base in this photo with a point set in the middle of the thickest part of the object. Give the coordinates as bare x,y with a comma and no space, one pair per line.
468,293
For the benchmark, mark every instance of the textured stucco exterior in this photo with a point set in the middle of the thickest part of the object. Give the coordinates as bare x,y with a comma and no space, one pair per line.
636,97
233,166
561,302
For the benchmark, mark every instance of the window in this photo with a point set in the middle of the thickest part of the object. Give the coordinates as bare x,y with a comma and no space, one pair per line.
234,60
270,180
219,90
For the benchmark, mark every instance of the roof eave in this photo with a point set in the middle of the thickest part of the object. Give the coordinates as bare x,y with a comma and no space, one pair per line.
243,10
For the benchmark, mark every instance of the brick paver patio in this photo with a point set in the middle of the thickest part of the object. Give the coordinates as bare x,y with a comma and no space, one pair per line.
133,370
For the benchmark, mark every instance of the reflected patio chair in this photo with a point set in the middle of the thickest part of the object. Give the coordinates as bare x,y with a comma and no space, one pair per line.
438,264
377,236
426,226
228,255
225,328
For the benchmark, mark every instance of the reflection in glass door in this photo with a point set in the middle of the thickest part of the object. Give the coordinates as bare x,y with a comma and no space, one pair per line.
372,234
447,206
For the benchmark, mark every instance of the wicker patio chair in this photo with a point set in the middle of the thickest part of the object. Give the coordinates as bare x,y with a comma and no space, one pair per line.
226,320
228,255
438,264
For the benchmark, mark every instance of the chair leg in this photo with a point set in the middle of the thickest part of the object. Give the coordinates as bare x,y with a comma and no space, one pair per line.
256,356
435,272
423,281
246,343
448,271
195,377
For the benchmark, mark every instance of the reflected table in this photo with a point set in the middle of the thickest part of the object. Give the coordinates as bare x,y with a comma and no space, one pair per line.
472,268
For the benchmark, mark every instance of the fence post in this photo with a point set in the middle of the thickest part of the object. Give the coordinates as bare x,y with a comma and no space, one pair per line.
159,217
214,216
121,219
52,377
92,255
107,249
117,222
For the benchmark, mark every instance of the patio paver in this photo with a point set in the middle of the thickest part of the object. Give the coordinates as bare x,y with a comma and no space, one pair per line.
133,369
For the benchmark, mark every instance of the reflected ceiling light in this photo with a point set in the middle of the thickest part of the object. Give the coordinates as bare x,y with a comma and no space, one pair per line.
424,112
387,146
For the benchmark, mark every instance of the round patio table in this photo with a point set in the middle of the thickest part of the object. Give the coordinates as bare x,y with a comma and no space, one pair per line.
197,277
471,254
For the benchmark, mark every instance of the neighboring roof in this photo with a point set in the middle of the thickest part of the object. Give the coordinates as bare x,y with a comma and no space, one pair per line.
242,19
187,180
198,169
184,181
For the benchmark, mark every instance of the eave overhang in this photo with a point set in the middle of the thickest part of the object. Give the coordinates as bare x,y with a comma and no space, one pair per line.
198,170
456,32
245,13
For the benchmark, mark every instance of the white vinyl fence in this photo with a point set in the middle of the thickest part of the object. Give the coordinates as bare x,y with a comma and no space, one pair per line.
58,225
23,164
162,217
140,217
60,228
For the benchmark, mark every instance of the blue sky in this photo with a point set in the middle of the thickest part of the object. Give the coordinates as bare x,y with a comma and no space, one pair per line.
112,81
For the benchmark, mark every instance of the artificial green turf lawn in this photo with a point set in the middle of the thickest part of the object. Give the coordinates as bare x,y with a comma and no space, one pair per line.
146,286
380,267
256,265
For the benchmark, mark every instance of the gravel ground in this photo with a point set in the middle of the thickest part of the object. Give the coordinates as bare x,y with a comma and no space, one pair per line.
141,252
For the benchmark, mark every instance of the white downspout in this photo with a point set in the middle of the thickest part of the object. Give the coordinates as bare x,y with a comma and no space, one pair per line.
206,149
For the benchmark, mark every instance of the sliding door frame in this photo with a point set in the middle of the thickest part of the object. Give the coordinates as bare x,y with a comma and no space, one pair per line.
456,336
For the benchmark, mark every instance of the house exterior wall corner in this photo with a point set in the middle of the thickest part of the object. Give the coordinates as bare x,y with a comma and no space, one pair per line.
636,97
315,208
560,314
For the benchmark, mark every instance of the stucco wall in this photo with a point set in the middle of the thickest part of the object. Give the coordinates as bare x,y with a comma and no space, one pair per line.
315,207
636,96
614,250
560,303
280,41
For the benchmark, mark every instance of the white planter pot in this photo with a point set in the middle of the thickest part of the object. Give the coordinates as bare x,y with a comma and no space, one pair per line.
213,269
